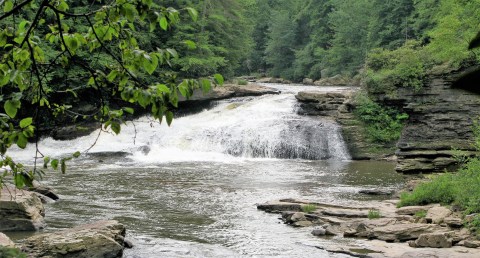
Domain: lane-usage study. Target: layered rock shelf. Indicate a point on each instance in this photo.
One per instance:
(441, 121)
(339, 106)
(389, 232)
(20, 210)
(96, 240)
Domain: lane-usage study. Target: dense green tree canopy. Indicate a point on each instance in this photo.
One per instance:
(120, 56)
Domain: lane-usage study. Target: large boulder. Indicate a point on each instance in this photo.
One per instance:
(102, 239)
(434, 240)
(437, 214)
(20, 210)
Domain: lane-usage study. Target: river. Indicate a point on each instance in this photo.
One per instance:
(190, 190)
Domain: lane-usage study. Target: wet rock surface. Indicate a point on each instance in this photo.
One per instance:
(20, 210)
(97, 240)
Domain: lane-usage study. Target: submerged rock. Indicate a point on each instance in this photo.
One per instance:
(45, 191)
(20, 210)
(97, 240)
(279, 206)
(376, 192)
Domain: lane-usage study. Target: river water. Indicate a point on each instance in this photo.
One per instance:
(190, 190)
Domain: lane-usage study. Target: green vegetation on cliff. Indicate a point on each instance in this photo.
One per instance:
(382, 124)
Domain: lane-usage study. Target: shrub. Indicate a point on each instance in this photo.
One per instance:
(309, 208)
(439, 190)
(242, 82)
(402, 67)
(383, 124)
(374, 214)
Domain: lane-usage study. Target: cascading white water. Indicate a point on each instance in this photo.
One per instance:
(255, 127)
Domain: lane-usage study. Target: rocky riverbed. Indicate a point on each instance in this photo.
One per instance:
(387, 231)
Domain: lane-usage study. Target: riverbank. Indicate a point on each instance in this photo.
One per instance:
(380, 229)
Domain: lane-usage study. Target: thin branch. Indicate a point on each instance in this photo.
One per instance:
(15, 9)
(35, 22)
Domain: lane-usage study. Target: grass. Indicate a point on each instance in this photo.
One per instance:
(309, 208)
(461, 188)
(242, 82)
(374, 214)
(421, 214)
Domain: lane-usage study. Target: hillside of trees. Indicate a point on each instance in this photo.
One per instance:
(64, 61)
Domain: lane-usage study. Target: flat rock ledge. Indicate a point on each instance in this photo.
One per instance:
(102, 239)
(20, 210)
(230, 91)
(416, 231)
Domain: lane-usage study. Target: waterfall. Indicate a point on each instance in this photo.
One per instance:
(252, 127)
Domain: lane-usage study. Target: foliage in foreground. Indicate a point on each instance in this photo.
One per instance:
(56, 54)
(383, 124)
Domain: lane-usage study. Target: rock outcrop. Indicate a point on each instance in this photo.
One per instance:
(96, 240)
(20, 210)
(6, 241)
(229, 91)
(440, 120)
(400, 233)
(339, 106)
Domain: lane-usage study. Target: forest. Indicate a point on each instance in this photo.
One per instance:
(123, 69)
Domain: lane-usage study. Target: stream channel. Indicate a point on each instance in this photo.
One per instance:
(190, 190)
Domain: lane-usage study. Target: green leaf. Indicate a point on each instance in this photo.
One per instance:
(112, 75)
(22, 141)
(190, 44)
(54, 163)
(218, 78)
(193, 13)
(128, 110)
(115, 127)
(206, 86)
(163, 23)
(26, 122)
(162, 88)
(11, 107)
(19, 180)
(46, 160)
(63, 166)
(8, 6)
(76, 154)
(169, 117)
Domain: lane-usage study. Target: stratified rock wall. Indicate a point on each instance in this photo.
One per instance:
(339, 106)
(440, 120)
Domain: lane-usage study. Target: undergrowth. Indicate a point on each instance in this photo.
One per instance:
(383, 124)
